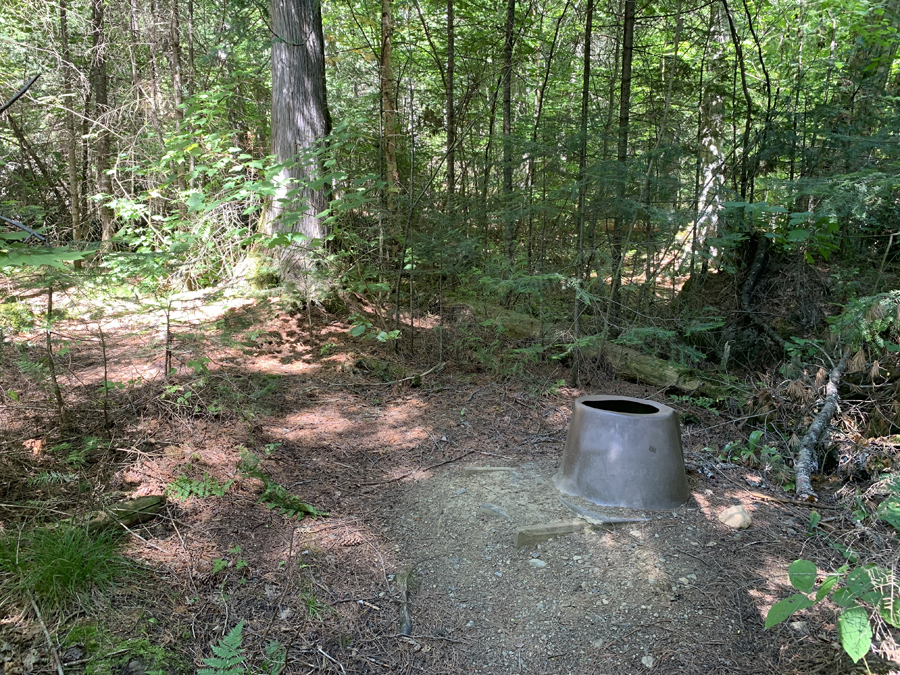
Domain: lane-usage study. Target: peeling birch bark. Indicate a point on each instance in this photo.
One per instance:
(805, 462)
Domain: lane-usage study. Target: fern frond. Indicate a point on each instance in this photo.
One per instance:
(229, 654)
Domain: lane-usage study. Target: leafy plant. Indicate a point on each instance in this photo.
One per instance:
(228, 655)
(698, 401)
(864, 589)
(274, 495)
(184, 487)
(50, 478)
(362, 327)
(59, 565)
(313, 605)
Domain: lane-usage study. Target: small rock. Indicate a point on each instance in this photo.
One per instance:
(75, 653)
(537, 562)
(470, 624)
(799, 627)
(647, 661)
(494, 509)
(736, 517)
(498, 574)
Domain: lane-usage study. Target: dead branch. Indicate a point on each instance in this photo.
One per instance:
(805, 462)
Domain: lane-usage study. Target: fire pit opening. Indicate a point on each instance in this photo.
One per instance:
(623, 406)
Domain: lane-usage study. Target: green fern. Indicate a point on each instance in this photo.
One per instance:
(229, 654)
(184, 487)
(274, 495)
(51, 478)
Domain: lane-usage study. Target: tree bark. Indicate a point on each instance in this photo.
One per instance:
(100, 90)
(451, 112)
(618, 238)
(509, 229)
(805, 462)
(582, 181)
(300, 124)
(72, 140)
(388, 104)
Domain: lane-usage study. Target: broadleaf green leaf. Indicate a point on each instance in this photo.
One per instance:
(802, 574)
(782, 609)
(855, 632)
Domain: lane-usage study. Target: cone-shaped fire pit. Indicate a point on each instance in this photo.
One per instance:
(623, 451)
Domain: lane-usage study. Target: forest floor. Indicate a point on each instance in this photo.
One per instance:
(407, 529)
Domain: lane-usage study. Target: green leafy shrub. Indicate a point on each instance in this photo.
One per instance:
(864, 590)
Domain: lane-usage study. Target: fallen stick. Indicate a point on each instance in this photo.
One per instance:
(438, 367)
(410, 473)
(805, 463)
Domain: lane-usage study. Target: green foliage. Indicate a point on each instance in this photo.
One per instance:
(220, 564)
(60, 565)
(864, 590)
(15, 252)
(889, 509)
(184, 487)
(274, 495)
(313, 605)
(756, 454)
(228, 655)
(51, 478)
(112, 656)
(698, 401)
(871, 321)
(77, 454)
(362, 327)
(15, 317)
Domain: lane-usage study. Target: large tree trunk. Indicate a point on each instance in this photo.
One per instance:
(300, 123)
(709, 180)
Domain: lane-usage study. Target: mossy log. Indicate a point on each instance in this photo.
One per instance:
(129, 514)
(632, 365)
(627, 363)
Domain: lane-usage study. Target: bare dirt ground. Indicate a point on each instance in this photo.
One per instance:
(408, 533)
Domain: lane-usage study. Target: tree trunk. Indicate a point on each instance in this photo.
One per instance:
(509, 230)
(618, 238)
(710, 176)
(451, 112)
(300, 123)
(582, 181)
(72, 144)
(100, 89)
(388, 104)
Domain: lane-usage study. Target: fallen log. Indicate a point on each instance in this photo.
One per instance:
(805, 462)
(626, 363)
(632, 365)
(129, 514)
